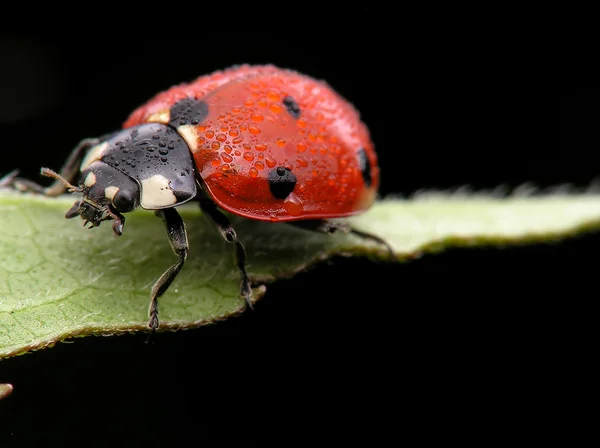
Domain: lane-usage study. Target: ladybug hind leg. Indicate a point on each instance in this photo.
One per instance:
(229, 234)
(329, 226)
(69, 172)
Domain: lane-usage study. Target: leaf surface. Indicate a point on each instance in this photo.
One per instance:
(59, 280)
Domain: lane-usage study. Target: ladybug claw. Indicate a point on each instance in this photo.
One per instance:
(247, 294)
(118, 228)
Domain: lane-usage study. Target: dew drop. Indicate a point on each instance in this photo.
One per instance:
(280, 142)
(163, 151)
(253, 172)
(257, 118)
(227, 148)
(226, 157)
(215, 145)
(254, 129)
(210, 134)
(259, 165)
(234, 133)
(249, 156)
(275, 108)
(261, 146)
(301, 147)
(221, 137)
(215, 162)
(237, 140)
(293, 204)
(270, 162)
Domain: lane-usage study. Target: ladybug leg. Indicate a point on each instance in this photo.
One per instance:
(229, 234)
(69, 171)
(179, 242)
(8, 179)
(327, 226)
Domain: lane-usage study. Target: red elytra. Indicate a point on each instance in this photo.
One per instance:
(249, 131)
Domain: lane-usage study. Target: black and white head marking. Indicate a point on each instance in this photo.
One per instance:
(156, 157)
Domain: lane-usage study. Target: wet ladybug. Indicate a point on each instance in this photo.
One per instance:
(260, 142)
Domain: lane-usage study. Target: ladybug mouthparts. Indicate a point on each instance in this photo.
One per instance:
(94, 214)
(90, 211)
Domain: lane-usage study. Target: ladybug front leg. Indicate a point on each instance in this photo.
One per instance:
(229, 234)
(179, 242)
(69, 172)
(327, 226)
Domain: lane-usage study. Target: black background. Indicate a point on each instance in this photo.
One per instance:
(353, 348)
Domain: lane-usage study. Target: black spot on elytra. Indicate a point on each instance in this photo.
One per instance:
(292, 106)
(365, 166)
(281, 182)
(188, 111)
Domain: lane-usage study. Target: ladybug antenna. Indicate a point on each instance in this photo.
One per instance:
(49, 173)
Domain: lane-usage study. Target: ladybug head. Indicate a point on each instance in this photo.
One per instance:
(106, 194)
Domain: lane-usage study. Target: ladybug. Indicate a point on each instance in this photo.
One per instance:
(261, 142)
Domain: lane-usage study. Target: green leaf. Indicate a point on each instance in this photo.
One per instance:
(59, 280)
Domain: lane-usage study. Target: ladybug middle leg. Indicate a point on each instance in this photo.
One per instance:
(328, 226)
(229, 234)
(69, 172)
(179, 243)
